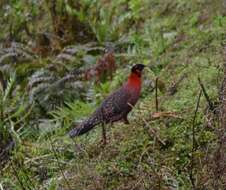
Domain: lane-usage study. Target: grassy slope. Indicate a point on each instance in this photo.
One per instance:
(183, 38)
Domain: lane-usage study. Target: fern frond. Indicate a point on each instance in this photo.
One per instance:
(71, 111)
(17, 52)
(76, 85)
(7, 56)
(64, 57)
(36, 81)
(61, 82)
(9, 88)
(37, 90)
(40, 73)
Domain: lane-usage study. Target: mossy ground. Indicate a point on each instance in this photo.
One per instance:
(174, 38)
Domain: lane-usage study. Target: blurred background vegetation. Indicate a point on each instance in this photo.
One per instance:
(49, 50)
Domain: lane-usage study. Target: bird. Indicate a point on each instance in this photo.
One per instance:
(115, 107)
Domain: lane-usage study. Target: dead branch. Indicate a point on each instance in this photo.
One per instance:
(193, 141)
(151, 132)
(156, 94)
(210, 103)
(165, 114)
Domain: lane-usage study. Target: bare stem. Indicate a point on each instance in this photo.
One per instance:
(193, 140)
(206, 95)
(156, 94)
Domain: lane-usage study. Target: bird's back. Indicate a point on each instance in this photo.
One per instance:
(114, 108)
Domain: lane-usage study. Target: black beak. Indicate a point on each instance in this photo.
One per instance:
(144, 66)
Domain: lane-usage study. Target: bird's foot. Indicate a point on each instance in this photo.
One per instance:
(103, 142)
(126, 121)
(104, 136)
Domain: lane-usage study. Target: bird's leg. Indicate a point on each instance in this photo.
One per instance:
(125, 119)
(104, 138)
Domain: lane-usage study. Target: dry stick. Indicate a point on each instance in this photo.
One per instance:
(154, 133)
(206, 95)
(145, 127)
(58, 162)
(156, 94)
(193, 140)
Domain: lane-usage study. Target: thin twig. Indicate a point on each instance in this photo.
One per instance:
(134, 186)
(151, 130)
(193, 139)
(206, 95)
(58, 162)
(156, 94)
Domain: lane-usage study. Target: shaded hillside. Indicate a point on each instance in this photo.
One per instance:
(49, 56)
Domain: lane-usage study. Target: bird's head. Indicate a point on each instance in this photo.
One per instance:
(137, 69)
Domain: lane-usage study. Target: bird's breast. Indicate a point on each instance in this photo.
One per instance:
(134, 95)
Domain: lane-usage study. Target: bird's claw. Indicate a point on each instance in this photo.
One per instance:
(103, 142)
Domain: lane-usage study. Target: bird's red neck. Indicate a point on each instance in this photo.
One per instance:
(134, 80)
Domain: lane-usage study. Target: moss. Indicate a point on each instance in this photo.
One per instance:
(173, 38)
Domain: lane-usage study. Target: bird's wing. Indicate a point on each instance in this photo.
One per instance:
(116, 105)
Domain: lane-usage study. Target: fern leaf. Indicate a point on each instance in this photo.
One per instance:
(9, 88)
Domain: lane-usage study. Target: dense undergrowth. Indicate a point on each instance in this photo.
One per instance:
(45, 48)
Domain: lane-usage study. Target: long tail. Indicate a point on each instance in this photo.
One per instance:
(85, 126)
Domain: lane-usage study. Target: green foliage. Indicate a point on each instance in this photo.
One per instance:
(47, 95)
(75, 111)
(14, 106)
(15, 111)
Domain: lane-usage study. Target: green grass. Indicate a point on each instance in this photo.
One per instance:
(173, 40)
